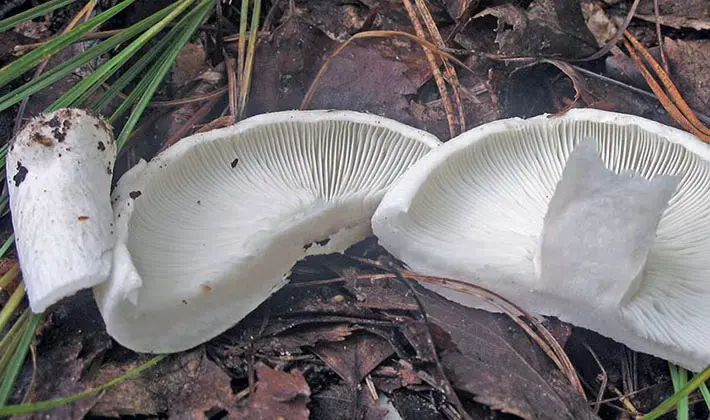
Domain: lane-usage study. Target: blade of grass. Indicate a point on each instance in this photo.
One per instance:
(673, 400)
(43, 405)
(32, 13)
(137, 68)
(164, 65)
(67, 67)
(9, 309)
(8, 243)
(249, 62)
(85, 14)
(18, 358)
(9, 276)
(705, 393)
(154, 70)
(14, 331)
(683, 405)
(18, 67)
(89, 84)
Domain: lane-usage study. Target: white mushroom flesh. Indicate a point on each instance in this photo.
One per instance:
(208, 229)
(474, 209)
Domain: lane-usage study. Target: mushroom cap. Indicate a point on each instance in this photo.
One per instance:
(211, 227)
(474, 209)
(59, 181)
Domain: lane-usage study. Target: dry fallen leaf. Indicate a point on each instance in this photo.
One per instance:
(690, 14)
(497, 363)
(285, 63)
(551, 28)
(340, 402)
(689, 70)
(363, 78)
(356, 356)
(277, 395)
(185, 384)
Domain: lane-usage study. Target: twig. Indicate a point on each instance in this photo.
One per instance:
(434, 66)
(677, 107)
(232, 89)
(189, 125)
(448, 68)
(604, 379)
(446, 385)
(659, 35)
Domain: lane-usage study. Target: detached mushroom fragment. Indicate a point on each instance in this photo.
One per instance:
(210, 228)
(59, 178)
(616, 243)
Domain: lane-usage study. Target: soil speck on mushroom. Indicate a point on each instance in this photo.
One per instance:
(101, 146)
(42, 139)
(234, 163)
(83, 218)
(20, 175)
(134, 194)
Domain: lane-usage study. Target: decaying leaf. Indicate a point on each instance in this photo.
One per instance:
(690, 14)
(689, 70)
(346, 402)
(73, 339)
(363, 78)
(356, 356)
(500, 366)
(185, 384)
(551, 28)
(277, 395)
(285, 64)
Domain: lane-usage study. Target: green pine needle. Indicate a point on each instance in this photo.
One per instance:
(34, 12)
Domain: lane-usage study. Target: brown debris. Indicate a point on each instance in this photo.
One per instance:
(497, 363)
(355, 356)
(550, 28)
(688, 14)
(285, 65)
(187, 383)
(277, 395)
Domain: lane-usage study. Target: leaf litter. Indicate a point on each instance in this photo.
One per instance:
(337, 338)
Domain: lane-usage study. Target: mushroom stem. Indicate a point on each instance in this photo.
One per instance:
(59, 172)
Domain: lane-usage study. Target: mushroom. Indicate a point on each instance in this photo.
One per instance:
(616, 243)
(209, 228)
(59, 181)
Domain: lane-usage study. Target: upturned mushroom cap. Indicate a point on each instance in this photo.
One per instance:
(59, 177)
(624, 255)
(210, 228)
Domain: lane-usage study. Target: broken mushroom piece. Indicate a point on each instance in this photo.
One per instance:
(614, 238)
(211, 227)
(59, 181)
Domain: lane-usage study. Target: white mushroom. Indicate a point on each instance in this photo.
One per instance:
(493, 207)
(59, 178)
(210, 228)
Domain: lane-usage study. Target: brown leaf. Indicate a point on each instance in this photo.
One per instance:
(285, 64)
(689, 70)
(186, 384)
(691, 14)
(551, 28)
(73, 338)
(338, 20)
(499, 364)
(346, 402)
(276, 395)
(356, 356)
(189, 63)
(363, 78)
